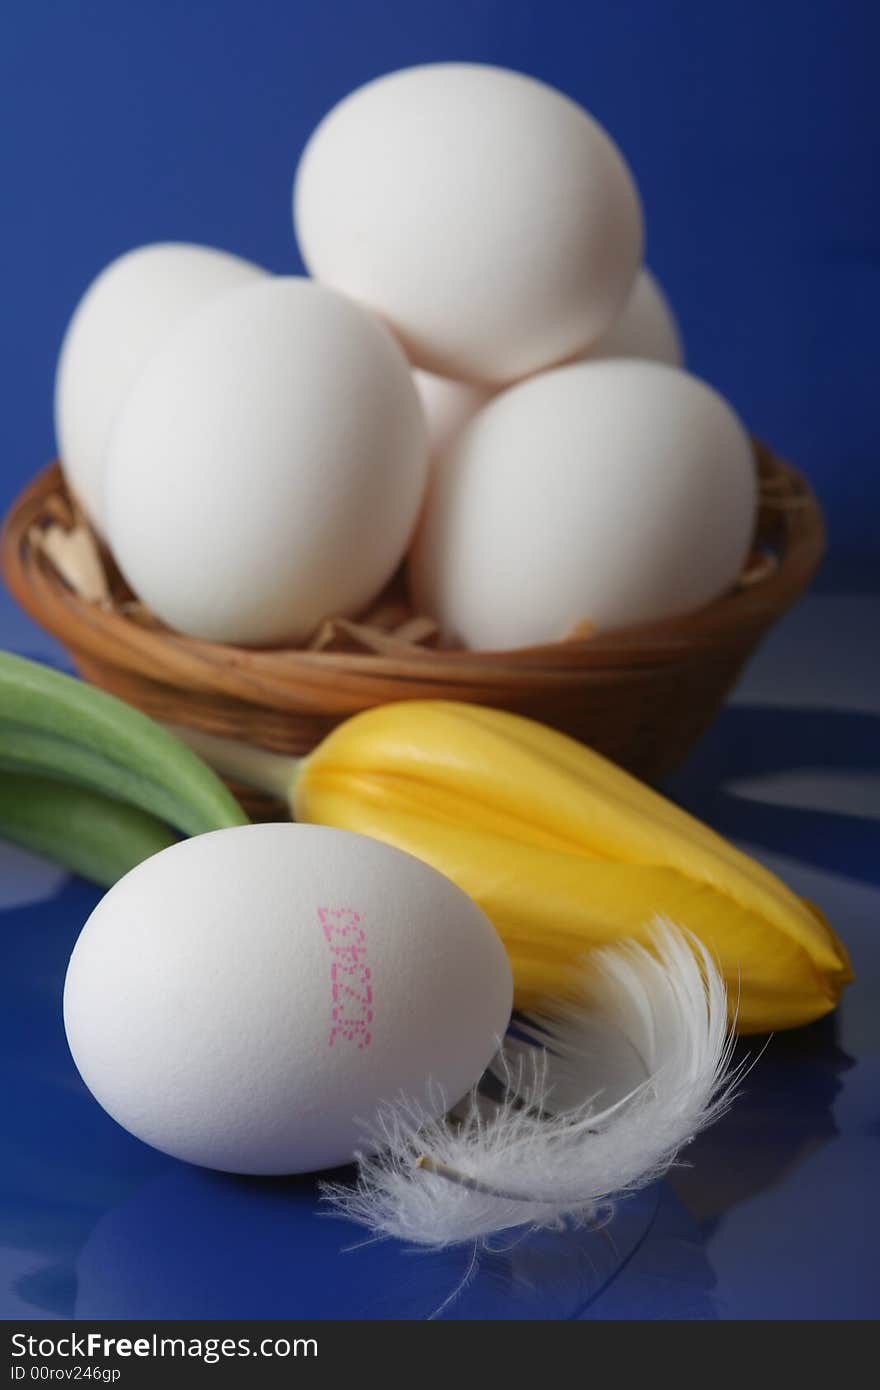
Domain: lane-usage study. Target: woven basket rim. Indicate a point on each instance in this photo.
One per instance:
(790, 525)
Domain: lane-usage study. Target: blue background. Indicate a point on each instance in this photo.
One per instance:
(752, 129)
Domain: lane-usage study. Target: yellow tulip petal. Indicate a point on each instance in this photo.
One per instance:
(564, 851)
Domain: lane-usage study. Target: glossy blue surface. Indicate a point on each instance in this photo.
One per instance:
(775, 1216)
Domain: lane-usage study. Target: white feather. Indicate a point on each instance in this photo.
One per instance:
(598, 1095)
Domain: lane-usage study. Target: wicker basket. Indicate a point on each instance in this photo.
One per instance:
(643, 697)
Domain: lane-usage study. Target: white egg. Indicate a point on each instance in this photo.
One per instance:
(486, 216)
(123, 317)
(617, 492)
(646, 328)
(268, 466)
(243, 999)
(448, 405)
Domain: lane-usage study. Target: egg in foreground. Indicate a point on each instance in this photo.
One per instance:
(243, 999)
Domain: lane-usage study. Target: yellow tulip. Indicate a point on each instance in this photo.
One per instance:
(563, 851)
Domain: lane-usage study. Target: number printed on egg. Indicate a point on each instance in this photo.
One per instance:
(351, 979)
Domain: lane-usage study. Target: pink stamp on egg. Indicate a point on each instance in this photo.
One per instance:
(351, 979)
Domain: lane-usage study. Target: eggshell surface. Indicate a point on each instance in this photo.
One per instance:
(448, 406)
(646, 328)
(488, 218)
(243, 998)
(268, 467)
(616, 492)
(124, 316)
